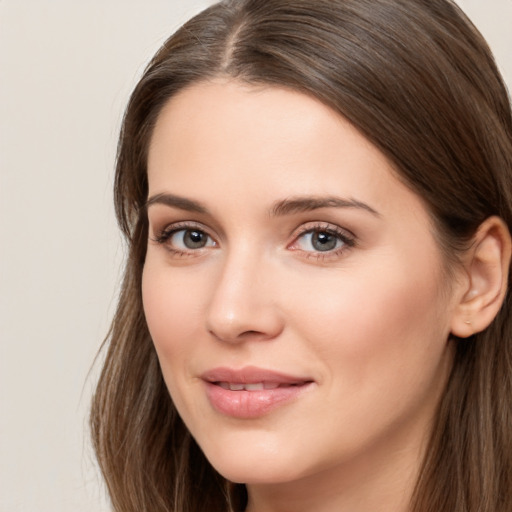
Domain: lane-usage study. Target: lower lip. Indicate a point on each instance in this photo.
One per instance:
(251, 404)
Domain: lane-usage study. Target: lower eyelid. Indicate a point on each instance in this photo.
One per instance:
(325, 256)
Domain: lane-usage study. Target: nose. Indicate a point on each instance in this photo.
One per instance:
(243, 304)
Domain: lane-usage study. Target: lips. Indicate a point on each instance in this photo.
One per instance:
(251, 392)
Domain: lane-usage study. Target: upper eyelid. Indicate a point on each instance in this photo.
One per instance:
(308, 227)
(182, 225)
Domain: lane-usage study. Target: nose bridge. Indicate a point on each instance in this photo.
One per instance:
(242, 304)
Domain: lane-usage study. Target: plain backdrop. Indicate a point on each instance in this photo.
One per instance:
(66, 70)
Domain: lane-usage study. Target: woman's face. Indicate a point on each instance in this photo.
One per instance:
(293, 288)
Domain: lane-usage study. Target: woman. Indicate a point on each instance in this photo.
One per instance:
(315, 314)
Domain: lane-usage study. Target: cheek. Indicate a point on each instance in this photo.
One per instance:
(376, 323)
(381, 346)
(172, 301)
(171, 307)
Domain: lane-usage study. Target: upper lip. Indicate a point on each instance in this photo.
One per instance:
(251, 375)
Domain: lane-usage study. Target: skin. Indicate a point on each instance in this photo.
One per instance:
(368, 322)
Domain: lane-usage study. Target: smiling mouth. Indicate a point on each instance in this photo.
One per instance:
(250, 392)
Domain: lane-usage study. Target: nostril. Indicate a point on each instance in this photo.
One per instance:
(251, 333)
(239, 337)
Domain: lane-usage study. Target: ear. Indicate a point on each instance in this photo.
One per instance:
(487, 265)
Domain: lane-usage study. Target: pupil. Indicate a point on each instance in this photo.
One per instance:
(194, 239)
(323, 241)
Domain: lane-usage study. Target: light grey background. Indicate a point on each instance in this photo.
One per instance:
(66, 70)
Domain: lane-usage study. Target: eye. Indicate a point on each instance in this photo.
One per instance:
(322, 240)
(190, 239)
(184, 239)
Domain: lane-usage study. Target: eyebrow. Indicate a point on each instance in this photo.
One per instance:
(280, 208)
(308, 203)
(182, 203)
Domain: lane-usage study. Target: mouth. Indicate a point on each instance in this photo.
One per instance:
(251, 392)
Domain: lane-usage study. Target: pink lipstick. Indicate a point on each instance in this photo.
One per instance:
(251, 392)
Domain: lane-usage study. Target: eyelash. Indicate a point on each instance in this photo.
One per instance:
(347, 239)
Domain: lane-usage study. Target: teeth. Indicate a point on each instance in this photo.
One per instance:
(256, 386)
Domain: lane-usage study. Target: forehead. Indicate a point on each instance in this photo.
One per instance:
(228, 140)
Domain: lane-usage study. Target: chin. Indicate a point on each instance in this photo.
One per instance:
(256, 465)
(251, 474)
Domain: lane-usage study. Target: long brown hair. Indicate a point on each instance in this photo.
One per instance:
(418, 80)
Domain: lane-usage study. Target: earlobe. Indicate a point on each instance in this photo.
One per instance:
(487, 265)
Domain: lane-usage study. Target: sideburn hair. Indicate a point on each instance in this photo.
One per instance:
(416, 79)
